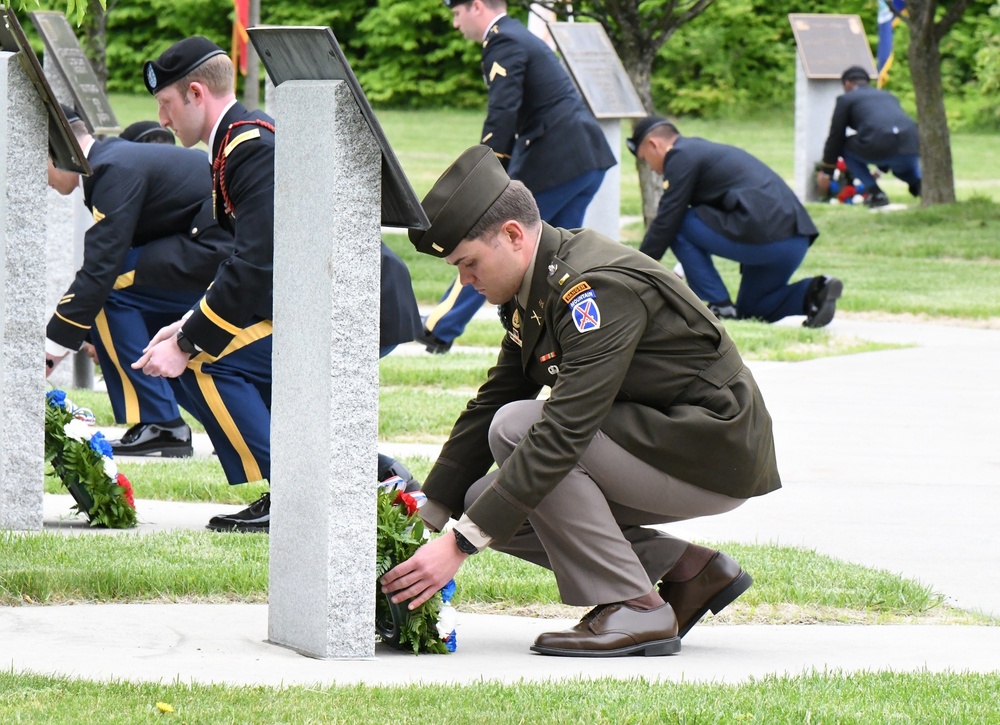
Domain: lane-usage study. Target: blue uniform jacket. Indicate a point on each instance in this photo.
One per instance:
(733, 192)
(152, 196)
(536, 122)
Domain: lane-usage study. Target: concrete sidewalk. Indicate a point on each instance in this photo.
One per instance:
(889, 459)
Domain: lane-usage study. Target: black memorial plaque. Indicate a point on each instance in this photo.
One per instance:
(64, 149)
(313, 54)
(829, 44)
(597, 70)
(64, 48)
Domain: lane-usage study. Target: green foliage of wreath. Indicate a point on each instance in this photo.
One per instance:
(81, 470)
(400, 534)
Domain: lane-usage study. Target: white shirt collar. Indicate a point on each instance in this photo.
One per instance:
(492, 23)
(218, 122)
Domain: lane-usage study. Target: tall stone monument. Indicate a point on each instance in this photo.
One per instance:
(23, 143)
(605, 86)
(74, 83)
(827, 46)
(336, 183)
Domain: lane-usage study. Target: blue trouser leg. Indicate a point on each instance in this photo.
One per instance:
(905, 168)
(459, 305)
(766, 268)
(232, 396)
(565, 205)
(857, 167)
(130, 318)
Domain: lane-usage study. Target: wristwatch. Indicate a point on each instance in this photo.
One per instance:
(464, 545)
(185, 344)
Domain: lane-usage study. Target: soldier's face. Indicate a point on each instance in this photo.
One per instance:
(492, 266)
(465, 19)
(649, 152)
(181, 115)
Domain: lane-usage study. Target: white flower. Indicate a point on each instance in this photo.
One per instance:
(78, 430)
(110, 469)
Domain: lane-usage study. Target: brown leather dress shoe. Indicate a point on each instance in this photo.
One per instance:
(715, 587)
(611, 630)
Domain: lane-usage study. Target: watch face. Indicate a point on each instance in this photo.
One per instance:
(185, 344)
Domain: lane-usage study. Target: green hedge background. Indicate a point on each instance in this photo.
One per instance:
(737, 58)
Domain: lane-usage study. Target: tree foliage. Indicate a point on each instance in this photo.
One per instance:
(736, 57)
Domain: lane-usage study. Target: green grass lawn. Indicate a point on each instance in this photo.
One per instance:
(818, 698)
(940, 262)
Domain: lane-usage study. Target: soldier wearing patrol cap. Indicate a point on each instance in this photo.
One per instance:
(652, 418)
(222, 349)
(539, 128)
(720, 201)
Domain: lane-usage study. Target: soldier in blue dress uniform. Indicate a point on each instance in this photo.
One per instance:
(539, 128)
(151, 252)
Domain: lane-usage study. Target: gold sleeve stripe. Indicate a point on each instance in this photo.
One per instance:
(70, 322)
(216, 320)
(125, 280)
(240, 139)
(257, 331)
(487, 137)
(66, 298)
(497, 70)
(98, 215)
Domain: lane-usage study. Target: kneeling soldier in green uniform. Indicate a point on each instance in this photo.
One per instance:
(652, 418)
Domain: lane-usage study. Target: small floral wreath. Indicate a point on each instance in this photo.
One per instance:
(400, 534)
(84, 461)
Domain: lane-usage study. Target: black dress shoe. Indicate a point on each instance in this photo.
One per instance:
(255, 517)
(432, 343)
(613, 630)
(147, 439)
(821, 301)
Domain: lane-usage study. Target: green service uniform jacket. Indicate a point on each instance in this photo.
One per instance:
(628, 349)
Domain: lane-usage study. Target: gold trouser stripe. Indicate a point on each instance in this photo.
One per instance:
(444, 306)
(131, 399)
(216, 320)
(70, 322)
(209, 391)
(125, 280)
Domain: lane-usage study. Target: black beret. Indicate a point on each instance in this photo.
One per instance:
(147, 132)
(642, 128)
(453, 3)
(177, 61)
(855, 73)
(70, 112)
(458, 199)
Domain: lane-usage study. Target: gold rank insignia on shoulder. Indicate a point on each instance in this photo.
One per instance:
(666, 184)
(575, 291)
(497, 70)
(98, 215)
